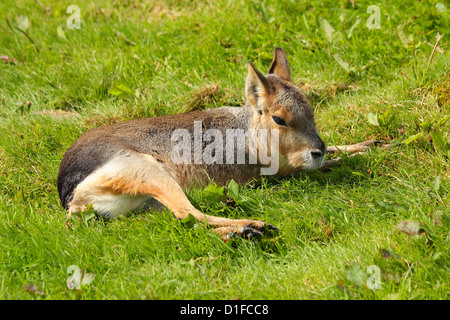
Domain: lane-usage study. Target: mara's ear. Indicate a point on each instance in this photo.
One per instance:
(280, 65)
(257, 88)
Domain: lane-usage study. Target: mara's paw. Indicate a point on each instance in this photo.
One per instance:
(244, 232)
(227, 233)
(262, 226)
(253, 230)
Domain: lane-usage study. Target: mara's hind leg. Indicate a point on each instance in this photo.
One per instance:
(140, 175)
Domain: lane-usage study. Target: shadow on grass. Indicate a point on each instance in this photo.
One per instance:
(350, 171)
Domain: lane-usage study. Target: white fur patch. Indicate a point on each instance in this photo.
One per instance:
(108, 204)
(113, 206)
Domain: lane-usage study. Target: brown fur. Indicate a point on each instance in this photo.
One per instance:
(125, 166)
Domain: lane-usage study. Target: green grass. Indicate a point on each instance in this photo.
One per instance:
(178, 55)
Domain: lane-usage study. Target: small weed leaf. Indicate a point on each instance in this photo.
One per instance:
(443, 121)
(233, 190)
(426, 125)
(433, 129)
(214, 193)
(385, 117)
(372, 118)
(330, 33)
(345, 65)
(414, 137)
(60, 32)
(23, 22)
(436, 184)
(327, 29)
(440, 142)
(120, 89)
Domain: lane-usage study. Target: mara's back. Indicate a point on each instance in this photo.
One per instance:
(155, 137)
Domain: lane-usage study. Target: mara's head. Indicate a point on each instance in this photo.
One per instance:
(276, 103)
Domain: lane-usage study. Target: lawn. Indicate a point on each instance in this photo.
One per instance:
(375, 227)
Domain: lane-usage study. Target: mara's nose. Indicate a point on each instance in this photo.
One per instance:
(316, 153)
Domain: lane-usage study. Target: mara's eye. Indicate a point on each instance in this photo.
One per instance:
(279, 121)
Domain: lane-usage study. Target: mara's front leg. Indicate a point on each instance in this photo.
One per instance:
(140, 175)
(352, 149)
